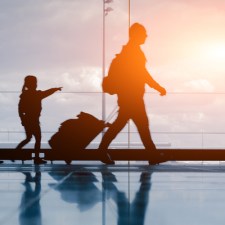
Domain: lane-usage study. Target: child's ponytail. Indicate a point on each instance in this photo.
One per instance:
(24, 88)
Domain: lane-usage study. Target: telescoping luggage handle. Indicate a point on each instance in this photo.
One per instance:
(112, 114)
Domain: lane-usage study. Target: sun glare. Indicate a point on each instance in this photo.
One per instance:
(214, 52)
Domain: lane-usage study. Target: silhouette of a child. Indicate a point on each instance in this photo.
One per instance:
(30, 110)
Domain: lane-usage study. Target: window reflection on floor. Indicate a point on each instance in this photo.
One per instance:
(173, 193)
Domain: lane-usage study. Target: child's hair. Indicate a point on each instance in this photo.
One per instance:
(29, 81)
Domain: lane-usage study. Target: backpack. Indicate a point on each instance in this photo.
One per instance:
(112, 83)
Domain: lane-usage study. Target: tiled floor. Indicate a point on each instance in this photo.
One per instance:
(94, 194)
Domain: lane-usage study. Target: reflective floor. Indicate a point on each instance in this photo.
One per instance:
(134, 194)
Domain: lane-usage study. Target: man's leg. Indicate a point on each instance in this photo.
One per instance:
(140, 119)
(111, 133)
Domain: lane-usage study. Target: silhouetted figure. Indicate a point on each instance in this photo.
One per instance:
(141, 200)
(128, 79)
(134, 212)
(30, 111)
(30, 209)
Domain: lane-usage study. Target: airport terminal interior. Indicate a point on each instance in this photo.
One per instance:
(67, 46)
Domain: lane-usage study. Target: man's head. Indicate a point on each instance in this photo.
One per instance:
(137, 33)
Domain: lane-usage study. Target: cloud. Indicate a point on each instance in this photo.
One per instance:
(200, 85)
(83, 79)
(48, 34)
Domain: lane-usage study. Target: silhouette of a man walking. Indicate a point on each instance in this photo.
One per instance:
(133, 76)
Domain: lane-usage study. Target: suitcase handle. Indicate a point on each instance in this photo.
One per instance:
(112, 114)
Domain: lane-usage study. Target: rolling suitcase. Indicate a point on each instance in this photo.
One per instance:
(74, 135)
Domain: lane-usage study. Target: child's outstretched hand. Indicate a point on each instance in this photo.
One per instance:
(59, 88)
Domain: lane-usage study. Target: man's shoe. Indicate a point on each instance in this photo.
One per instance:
(28, 178)
(157, 158)
(153, 162)
(107, 160)
(39, 161)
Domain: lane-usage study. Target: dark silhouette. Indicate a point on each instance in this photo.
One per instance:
(74, 135)
(30, 209)
(30, 111)
(127, 78)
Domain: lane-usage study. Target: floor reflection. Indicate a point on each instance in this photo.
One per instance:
(118, 195)
(78, 188)
(129, 213)
(81, 189)
(30, 210)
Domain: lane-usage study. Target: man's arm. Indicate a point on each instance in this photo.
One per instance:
(153, 84)
(50, 91)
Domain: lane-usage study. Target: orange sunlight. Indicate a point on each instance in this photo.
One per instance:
(214, 52)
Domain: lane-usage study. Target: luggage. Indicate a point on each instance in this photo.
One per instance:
(74, 135)
(116, 78)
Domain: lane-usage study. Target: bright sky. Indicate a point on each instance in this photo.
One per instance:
(60, 41)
